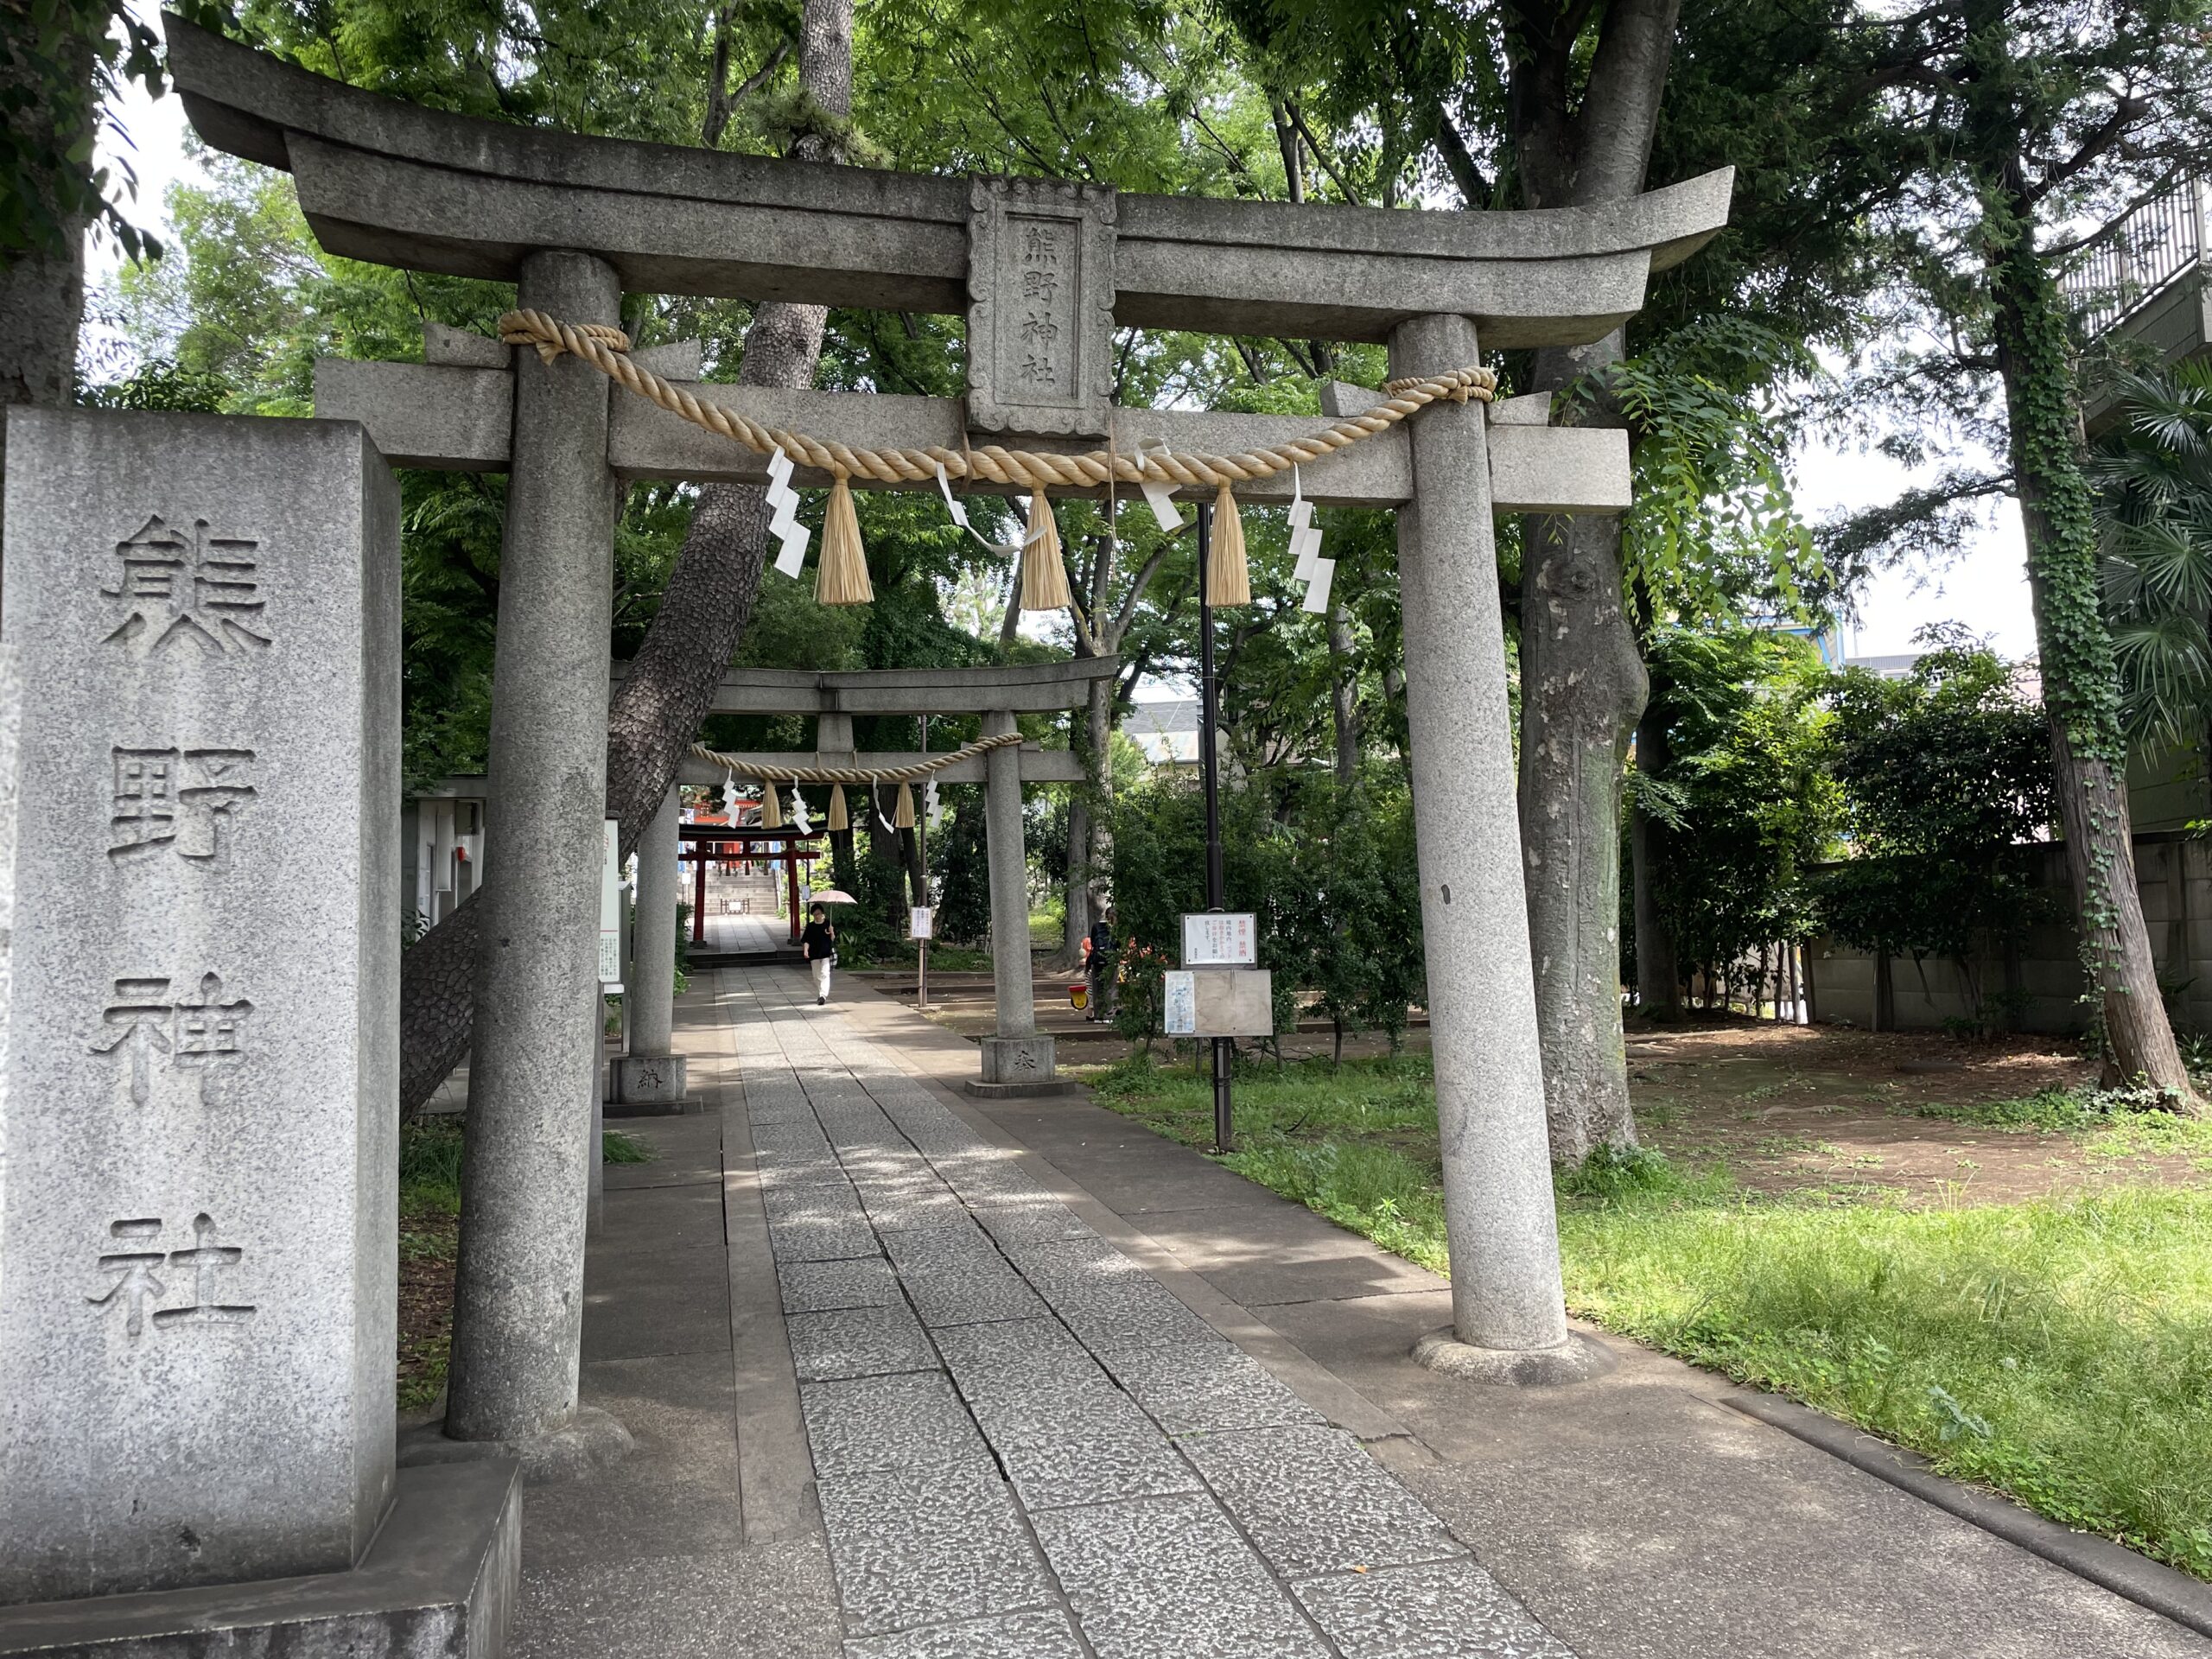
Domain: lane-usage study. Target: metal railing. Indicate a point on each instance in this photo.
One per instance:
(2159, 241)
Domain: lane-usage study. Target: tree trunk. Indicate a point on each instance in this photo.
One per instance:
(1582, 682)
(1582, 688)
(1090, 847)
(1658, 973)
(42, 296)
(1344, 696)
(1076, 890)
(2081, 682)
(918, 879)
(670, 685)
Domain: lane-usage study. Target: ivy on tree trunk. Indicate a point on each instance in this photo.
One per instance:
(2081, 683)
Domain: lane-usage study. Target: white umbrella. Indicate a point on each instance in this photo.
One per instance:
(832, 896)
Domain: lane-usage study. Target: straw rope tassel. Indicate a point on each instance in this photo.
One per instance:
(1044, 578)
(772, 814)
(840, 577)
(902, 815)
(837, 819)
(1229, 578)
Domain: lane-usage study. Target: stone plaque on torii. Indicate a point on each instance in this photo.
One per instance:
(574, 221)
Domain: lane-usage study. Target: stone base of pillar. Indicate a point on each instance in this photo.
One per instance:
(1575, 1360)
(441, 1577)
(1014, 1066)
(590, 1439)
(982, 1091)
(652, 1085)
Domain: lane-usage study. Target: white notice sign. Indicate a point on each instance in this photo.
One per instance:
(919, 922)
(1215, 938)
(610, 906)
(1178, 1012)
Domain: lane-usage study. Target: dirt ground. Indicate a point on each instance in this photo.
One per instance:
(1815, 1108)
(429, 1244)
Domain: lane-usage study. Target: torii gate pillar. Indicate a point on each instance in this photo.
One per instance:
(1018, 1059)
(518, 1290)
(1507, 1311)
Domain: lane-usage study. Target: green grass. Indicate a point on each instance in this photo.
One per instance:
(944, 959)
(2059, 1350)
(430, 1157)
(429, 1167)
(2108, 1122)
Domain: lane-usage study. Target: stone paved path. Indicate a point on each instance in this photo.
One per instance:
(746, 934)
(1026, 1446)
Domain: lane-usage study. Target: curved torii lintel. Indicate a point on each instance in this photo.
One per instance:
(393, 183)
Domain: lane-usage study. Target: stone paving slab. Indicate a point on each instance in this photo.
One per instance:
(1131, 1314)
(858, 1342)
(955, 1276)
(1061, 1474)
(823, 1287)
(1013, 1635)
(921, 1548)
(1019, 1221)
(978, 1354)
(1166, 1578)
(889, 1423)
(1312, 1501)
(917, 1203)
(1444, 1610)
(1079, 1403)
(817, 1223)
(1192, 1390)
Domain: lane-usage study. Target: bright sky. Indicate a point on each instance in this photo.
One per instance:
(1986, 589)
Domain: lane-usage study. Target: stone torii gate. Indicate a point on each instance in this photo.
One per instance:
(574, 221)
(1018, 1059)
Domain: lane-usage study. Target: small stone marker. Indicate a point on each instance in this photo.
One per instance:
(199, 1105)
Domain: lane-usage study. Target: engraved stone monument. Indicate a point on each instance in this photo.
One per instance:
(198, 1105)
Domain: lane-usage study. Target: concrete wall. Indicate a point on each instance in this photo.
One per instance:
(2167, 790)
(2174, 873)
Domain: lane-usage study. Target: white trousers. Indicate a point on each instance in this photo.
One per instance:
(821, 976)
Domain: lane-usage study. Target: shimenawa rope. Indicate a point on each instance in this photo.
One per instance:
(856, 774)
(605, 349)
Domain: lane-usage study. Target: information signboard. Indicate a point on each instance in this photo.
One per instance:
(1180, 1006)
(1215, 938)
(610, 906)
(920, 922)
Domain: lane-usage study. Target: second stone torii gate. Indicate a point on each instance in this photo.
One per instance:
(1018, 1058)
(575, 220)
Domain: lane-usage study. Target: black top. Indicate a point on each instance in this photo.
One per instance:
(819, 940)
(1101, 939)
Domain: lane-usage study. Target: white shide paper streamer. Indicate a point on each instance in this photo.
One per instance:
(784, 525)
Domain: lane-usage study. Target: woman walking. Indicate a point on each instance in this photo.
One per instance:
(818, 944)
